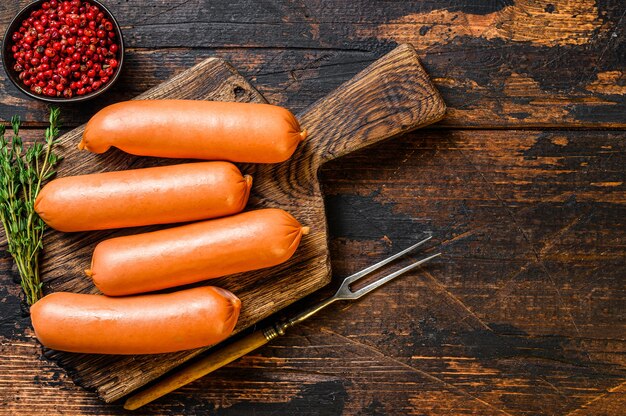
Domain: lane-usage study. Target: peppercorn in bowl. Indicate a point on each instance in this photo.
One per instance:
(63, 51)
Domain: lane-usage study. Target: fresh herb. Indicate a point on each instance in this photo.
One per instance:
(22, 173)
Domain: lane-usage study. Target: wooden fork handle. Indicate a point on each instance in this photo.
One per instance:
(198, 369)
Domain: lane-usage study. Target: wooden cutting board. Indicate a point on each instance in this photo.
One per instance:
(390, 97)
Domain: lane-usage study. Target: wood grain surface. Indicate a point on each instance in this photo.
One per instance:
(523, 184)
(497, 63)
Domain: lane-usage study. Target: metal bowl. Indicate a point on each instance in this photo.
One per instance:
(8, 61)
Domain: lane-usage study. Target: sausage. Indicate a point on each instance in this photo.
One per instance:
(210, 130)
(190, 253)
(146, 324)
(159, 195)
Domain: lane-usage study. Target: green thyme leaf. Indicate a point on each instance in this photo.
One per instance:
(22, 173)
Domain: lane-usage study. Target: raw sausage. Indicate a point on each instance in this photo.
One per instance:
(190, 253)
(210, 130)
(146, 324)
(159, 195)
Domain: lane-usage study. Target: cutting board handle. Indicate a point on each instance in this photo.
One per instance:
(390, 97)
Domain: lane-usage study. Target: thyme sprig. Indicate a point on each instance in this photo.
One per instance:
(22, 173)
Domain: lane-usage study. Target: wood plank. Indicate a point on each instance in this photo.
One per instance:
(531, 225)
(522, 314)
(500, 64)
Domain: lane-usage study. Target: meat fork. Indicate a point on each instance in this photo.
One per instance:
(257, 339)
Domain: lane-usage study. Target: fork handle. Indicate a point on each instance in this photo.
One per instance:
(219, 358)
(200, 368)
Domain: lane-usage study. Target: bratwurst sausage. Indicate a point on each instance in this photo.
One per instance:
(159, 195)
(210, 130)
(147, 324)
(190, 253)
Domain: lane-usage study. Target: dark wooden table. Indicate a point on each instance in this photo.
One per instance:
(523, 184)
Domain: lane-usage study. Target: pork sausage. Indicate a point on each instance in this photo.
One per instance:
(159, 195)
(146, 324)
(190, 253)
(210, 130)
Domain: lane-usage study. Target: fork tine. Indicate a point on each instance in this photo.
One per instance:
(357, 294)
(381, 263)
